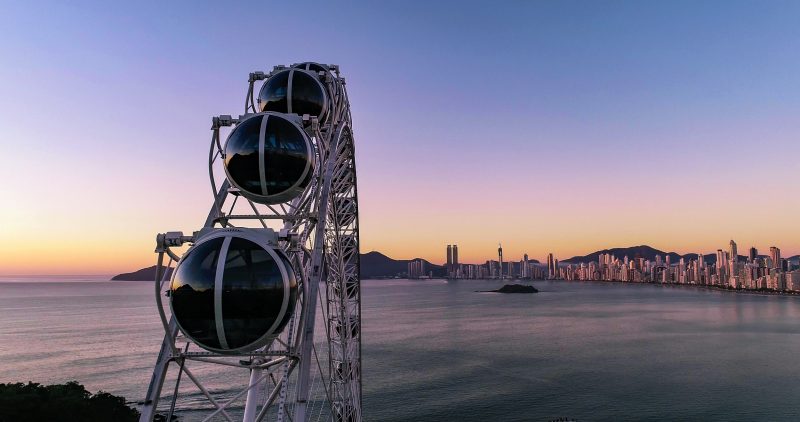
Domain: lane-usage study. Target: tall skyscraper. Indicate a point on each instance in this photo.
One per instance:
(449, 267)
(698, 268)
(524, 271)
(500, 254)
(455, 256)
(775, 254)
(733, 255)
(550, 266)
(753, 254)
(449, 257)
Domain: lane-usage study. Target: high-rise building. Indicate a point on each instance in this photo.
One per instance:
(449, 257)
(492, 266)
(524, 271)
(455, 256)
(416, 269)
(500, 254)
(753, 254)
(733, 256)
(550, 267)
(698, 268)
(775, 254)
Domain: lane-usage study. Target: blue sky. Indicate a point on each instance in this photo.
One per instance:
(553, 126)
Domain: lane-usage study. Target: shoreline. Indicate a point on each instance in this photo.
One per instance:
(696, 286)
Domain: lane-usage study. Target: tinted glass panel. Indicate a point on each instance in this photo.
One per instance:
(272, 96)
(286, 156)
(241, 155)
(314, 67)
(252, 293)
(292, 293)
(193, 293)
(308, 96)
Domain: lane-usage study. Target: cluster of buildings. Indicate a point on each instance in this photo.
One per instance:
(725, 269)
(498, 269)
(418, 269)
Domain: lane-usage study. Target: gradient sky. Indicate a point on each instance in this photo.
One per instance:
(550, 126)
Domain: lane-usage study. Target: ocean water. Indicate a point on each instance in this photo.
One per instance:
(439, 351)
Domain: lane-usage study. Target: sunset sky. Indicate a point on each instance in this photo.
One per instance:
(559, 126)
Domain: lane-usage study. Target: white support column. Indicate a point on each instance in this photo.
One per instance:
(251, 405)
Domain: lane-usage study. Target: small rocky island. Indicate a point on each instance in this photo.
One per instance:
(512, 288)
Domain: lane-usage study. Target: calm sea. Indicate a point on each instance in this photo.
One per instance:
(438, 351)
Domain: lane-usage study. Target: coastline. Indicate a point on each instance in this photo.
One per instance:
(696, 286)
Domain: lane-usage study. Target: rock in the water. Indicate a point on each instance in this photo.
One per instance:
(515, 288)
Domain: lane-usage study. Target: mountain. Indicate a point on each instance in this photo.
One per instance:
(646, 252)
(145, 274)
(373, 265)
(642, 251)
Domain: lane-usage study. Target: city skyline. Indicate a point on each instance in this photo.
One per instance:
(772, 272)
(452, 258)
(607, 123)
(729, 270)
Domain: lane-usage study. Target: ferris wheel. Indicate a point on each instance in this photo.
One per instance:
(267, 294)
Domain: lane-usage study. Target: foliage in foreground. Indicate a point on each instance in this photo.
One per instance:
(35, 402)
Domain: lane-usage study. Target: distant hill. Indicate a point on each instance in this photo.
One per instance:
(373, 265)
(642, 251)
(376, 264)
(646, 252)
(145, 274)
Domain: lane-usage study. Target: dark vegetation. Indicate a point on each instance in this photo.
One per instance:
(61, 402)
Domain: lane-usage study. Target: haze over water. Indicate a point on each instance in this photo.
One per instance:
(436, 350)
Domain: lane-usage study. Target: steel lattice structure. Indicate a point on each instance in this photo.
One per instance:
(312, 370)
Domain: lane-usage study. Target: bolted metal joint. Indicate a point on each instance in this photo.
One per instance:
(171, 239)
(277, 69)
(222, 120)
(292, 238)
(257, 76)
